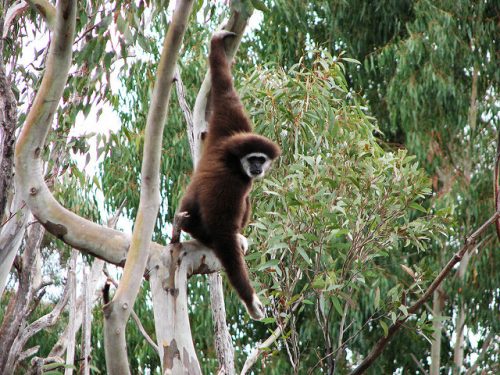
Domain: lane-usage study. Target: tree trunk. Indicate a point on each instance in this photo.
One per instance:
(70, 332)
(458, 350)
(223, 344)
(8, 121)
(437, 325)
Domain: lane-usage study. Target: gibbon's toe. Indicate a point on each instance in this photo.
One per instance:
(222, 34)
(256, 309)
(243, 243)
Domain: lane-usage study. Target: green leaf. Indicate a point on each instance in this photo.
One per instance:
(403, 309)
(269, 264)
(418, 207)
(269, 320)
(260, 5)
(336, 304)
(348, 59)
(384, 327)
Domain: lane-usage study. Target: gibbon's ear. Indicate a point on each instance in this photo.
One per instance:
(242, 144)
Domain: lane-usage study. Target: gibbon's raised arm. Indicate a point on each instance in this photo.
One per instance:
(228, 115)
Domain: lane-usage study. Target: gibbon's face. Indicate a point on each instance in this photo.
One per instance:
(255, 164)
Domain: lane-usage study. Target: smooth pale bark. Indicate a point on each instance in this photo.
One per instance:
(72, 323)
(168, 279)
(458, 350)
(437, 325)
(82, 234)
(11, 237)
(117, 312)
(87, 323)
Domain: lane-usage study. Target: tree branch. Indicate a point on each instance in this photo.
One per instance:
(45, 321)
(381, 344)
(117, 312)
(135, 317)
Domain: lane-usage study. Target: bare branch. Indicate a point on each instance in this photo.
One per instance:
(45, 321)
(15, 10)
(419, 365)
(73, 323)
(222, 340)
(188, 115)
(252, 358)
(381, 344)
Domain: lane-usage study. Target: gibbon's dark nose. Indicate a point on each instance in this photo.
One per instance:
(255, 171)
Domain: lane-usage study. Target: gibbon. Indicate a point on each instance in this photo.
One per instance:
(216, 200)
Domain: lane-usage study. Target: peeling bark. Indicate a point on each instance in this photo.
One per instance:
(8, 121)
(170, 303)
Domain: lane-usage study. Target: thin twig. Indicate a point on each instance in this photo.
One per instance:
(186, 110)
(417, 362)
(252, 357)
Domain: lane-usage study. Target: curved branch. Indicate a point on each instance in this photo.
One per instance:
(118, 311)
(105, 243)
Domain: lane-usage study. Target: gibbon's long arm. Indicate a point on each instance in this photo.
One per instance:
(229, 252)
(228, 115)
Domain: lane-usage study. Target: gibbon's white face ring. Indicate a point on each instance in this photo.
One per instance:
(255, 169)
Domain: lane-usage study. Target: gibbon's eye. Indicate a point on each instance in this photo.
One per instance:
(256, 160)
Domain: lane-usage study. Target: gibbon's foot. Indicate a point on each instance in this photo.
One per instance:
(243, 243)
(222, 34)
(256, 309)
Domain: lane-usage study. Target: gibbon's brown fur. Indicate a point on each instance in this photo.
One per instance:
(217, 198)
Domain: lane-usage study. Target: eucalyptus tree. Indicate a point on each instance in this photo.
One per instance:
(343, 232)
